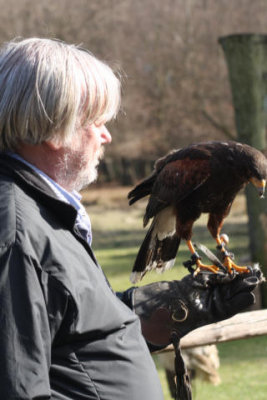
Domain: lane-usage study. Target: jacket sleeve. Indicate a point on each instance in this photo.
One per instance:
(127, 298)
(25, 336)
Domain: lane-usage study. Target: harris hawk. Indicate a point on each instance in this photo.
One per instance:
(201, 178)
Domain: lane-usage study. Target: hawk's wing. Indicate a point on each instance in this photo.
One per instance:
(177, 180)
(174, 182)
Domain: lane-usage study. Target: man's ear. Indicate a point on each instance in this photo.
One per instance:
(53, 144)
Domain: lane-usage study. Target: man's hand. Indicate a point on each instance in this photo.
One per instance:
(182, 306)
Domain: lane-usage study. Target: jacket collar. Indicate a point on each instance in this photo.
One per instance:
(36, 187)
(29, 180)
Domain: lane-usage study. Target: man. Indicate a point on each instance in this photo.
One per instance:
(64, 334)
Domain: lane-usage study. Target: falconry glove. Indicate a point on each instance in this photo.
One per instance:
(182, 306)
(168, 310)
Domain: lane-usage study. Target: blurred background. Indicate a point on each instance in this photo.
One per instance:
(176, 91)
(175, 81)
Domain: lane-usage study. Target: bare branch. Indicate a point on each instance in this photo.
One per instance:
(218, 125)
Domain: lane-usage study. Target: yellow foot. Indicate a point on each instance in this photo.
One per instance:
(211, 268)
(231, 266)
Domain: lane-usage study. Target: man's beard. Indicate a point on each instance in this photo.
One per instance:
(74, 172)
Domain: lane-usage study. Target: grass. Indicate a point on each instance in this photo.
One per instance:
(117, 235)
(243, 372)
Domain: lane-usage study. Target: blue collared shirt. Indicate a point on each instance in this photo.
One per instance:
(83, 222)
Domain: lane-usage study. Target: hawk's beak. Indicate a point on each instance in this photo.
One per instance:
(260, 186)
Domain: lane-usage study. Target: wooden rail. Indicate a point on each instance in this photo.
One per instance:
(241, 326)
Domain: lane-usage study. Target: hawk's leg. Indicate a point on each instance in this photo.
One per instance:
(199, 264)
(228, 262)
(215, 224)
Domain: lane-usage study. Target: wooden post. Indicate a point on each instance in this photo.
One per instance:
(246, 56)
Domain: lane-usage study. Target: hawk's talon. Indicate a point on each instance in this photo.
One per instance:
(211, 268)
(195, 259)
(233, 268)
(196, 272)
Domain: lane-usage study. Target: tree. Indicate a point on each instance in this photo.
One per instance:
(246, 57)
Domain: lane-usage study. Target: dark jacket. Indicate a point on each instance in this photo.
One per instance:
(64, 334)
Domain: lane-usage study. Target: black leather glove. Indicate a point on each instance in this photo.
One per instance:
(182, 306)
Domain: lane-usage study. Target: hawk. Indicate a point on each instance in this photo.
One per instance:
(201, 178)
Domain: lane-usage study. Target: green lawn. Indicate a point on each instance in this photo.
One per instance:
(117, 235)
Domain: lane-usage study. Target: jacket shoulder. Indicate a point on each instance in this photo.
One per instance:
(7, 212)
(18, 212)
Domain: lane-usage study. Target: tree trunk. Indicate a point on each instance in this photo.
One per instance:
(246, 57)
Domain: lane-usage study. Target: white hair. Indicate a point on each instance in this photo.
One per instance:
(48, 88)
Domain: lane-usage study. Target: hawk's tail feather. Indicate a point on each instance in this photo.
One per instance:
(141, 190)
(155, 254)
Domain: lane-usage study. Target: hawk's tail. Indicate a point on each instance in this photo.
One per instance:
(158, 251)
(142, 189)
